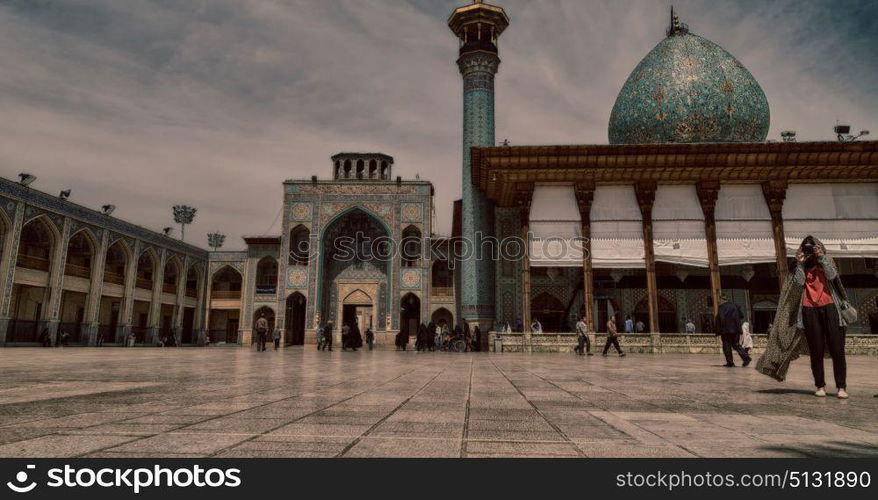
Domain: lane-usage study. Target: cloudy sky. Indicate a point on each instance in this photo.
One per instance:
(149, 103)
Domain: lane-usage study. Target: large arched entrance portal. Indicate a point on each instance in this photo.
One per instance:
(355, 257)
(295, 319)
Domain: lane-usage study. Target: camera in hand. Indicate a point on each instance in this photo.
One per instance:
(808, 249)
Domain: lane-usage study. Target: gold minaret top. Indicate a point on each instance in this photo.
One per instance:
(478, 21)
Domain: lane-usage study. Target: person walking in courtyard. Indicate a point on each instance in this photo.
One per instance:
(276, 336)
(746, 338)
(45, 339)
(584, 345)
(477, 339)
(690, 326)
(345, 337)
(812, 315)
(370, 337)
(327, 336)
(261, 332)
(613, 338)
(728, 327)
(437, 338)
(629, 325)
(356, 337)
(402, 340)
(639, 327)
(536, 326)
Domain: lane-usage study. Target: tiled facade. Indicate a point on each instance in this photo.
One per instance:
(44, 293)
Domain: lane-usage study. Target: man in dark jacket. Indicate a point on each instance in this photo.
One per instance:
(728, 327)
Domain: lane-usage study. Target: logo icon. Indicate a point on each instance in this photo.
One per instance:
(21, 478)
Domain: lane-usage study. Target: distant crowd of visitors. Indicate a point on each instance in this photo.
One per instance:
(429, 337)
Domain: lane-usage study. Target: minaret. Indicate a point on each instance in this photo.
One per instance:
(478, 26)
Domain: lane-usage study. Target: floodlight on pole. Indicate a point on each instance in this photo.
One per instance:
(167, 230)
(215, 240)
(788, 136)
(64, 194)
(108, 209)
(843, 132)
(26, 179)
(184, 214)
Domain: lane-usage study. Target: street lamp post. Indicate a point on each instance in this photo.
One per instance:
(215, 240)
(184, 214)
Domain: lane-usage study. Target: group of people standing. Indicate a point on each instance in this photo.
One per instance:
(351, 337)
(437, 337)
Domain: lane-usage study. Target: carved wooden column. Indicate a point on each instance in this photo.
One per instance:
(645, 192)
(524, 199)
(584, 199)
(708, 192)
(775, 193)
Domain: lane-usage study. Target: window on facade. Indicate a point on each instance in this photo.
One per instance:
(299, 246)
(266, 276)
(145, 270)
(79, 256)
(35, 247)
(411, 246)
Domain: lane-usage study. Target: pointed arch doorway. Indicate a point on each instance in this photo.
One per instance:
(358, 305)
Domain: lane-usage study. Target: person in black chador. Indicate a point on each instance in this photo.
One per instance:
(431, 336)
(477, 339)
(728, 327)
(402, 340)
(356, 339)
(327, 336)
(422, 338)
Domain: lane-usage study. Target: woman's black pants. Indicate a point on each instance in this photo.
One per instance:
(822, 331)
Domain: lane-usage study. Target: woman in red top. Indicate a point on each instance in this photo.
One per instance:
(819, 314)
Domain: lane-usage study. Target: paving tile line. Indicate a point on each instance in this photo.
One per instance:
(579, 450)
(602, 416)
(144, 414)
(314, 412)
(141, 438)
(469, 395)
(383, 419)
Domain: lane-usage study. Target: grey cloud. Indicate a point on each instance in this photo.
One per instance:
(214, 102)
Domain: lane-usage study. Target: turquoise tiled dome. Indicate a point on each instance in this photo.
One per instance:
(689, 89)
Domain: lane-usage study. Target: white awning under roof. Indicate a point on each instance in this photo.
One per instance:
(743, 225)
(678, 226)
(843, 216)
(556, 227)
(616, 228)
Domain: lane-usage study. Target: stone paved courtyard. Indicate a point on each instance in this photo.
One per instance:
(225, 402)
